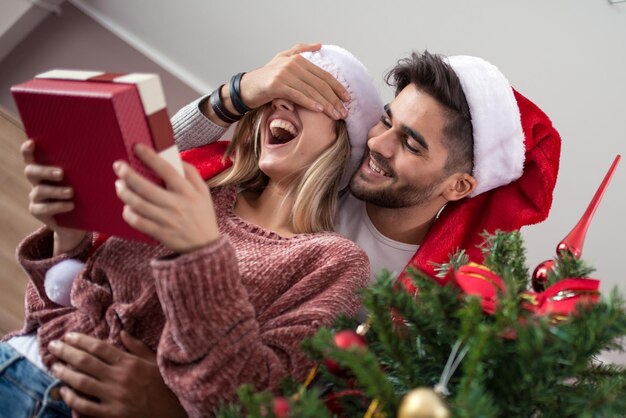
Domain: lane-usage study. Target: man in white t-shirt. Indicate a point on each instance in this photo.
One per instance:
(457, 152)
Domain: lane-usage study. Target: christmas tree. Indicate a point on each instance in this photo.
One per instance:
(474, 343)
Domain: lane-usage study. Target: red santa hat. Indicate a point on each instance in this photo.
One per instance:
(516, 161)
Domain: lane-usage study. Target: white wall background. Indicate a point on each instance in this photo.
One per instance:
(568, 56)
(73, 40)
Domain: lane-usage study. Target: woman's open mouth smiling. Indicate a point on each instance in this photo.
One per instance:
(281, 132)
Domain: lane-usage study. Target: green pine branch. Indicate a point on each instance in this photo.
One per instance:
(566, 266)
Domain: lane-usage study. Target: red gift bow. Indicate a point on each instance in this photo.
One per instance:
(559, 300)
(477, 280)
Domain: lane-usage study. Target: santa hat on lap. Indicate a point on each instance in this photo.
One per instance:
(516, 161)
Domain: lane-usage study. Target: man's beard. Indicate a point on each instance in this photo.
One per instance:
(390, 197)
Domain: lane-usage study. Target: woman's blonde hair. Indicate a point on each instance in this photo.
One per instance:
(316, 192)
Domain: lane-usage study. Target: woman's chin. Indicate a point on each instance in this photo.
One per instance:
(279, 173)
(273, 169)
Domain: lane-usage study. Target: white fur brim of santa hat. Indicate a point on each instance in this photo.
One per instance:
(364, 109)
(496, 122)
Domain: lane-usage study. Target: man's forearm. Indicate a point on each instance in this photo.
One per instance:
(192, 128)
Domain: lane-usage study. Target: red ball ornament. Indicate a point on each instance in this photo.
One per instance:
(539, 278)
(281, 407)
(345, 340)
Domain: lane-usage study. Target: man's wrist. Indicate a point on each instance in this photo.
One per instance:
(208, 110)
(227, 101)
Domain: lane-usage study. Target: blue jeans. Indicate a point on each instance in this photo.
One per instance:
(26, 391)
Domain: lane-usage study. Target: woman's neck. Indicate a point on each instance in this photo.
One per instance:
(270, 209)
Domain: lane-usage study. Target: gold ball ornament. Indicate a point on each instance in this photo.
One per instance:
(423, 403)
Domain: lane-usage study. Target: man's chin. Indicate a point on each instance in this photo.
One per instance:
(360, 187)
(379, 196)
(389, 197)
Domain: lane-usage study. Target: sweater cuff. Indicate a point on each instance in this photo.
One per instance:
(35, 252)
(192, 129)
(202, 295)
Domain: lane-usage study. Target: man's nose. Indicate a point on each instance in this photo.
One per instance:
(382, 141)
(283, 104)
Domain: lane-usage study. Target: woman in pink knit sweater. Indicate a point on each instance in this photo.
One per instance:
(243, 274)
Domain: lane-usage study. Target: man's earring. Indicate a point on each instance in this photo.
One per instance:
(439, 211)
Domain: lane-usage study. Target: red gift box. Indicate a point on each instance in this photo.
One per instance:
(83, 121)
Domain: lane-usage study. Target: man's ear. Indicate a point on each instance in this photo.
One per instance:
(459, 186)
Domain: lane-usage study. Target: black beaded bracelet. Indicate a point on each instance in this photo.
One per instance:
(235, 94)
(217, 104)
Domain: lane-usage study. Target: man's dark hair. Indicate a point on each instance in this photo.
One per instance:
(433, 76)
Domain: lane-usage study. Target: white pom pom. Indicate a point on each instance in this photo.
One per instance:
(59, 279)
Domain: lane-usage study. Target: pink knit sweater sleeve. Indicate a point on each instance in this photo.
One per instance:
(34, 254)
(213, 340)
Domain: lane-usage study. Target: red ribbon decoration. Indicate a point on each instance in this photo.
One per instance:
(477, 280)
(559, 300)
